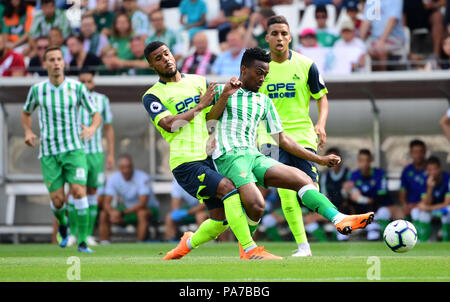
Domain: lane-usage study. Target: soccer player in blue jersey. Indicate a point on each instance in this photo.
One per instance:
(367, 191)
(435, 201)
(413, 177)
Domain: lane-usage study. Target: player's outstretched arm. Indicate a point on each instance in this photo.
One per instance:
(294, 148)
(172, 123)
(217, 110)
(30, 137)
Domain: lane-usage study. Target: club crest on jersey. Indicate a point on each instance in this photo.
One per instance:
(155, 107)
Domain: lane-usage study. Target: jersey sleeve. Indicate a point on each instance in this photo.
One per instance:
(272, 120)
(107, 115)
(353, 176)
(110, 188)
(156, 110)
(316, 84)
(144, 185)
(404, 181)
(31, 102)
(86, 100)
(382, 184)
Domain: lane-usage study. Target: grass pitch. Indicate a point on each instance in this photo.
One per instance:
(347, 261)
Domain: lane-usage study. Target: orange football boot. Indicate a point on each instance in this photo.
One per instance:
(181, 249)
(259, 253)
(241, 250)
(354, 222)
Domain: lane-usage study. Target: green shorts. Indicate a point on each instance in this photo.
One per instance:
(95, 175)
(244, 165)
(132, 217)
(65, 167)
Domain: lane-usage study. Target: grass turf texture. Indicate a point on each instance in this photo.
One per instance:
(346, 261)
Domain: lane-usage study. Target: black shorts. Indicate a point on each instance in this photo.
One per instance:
(284, 157)
(201, 180)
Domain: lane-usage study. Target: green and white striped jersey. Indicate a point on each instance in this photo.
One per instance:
(237, 127)
(58, 108)
(101, 102)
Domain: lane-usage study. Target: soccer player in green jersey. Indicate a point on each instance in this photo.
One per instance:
(177, 105)
(94, 156)
(61, 148)
(236, 155)
(292, 80)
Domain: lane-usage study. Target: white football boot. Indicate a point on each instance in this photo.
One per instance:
(303, 250)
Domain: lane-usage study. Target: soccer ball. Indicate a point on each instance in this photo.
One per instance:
(400, 236)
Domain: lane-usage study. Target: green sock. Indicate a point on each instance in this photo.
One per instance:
(273, 234)
(237, 220)
(72, 217)
(93, 211)
(60, 214)
(426, 233)
(209, 230)
(446, 232)
(383, 224)
(317, 202)
(82, 212)
(293, 214)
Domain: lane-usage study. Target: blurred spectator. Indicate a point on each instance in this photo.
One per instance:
(352, 11)
(161, 33)
(55, 38)
(139, 20)
(383, 18)
(148, 6)
(413, 177)
(447, 16)
(258, 18)
(104, 18)
(16, 22)
(325, 36)
(169, 3)
(331, 184)
(201, 61)
(337, 3)
(11, 64)
(311, 49)
(367, 191)
(49, 17)
(442, 62)
(426, 14)
(227, 8)
(139, 204)
(193, 16)
(270, 3)
(348, 53)
(435, 202)
(80, 58)
(110, 61)
(35, 65)
(93, 41)
(111, 5)
(192, 212)
(138, 65)
(121, 36)
(229, 62)
(445, 124)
